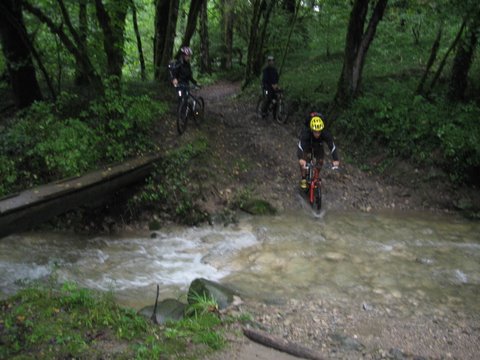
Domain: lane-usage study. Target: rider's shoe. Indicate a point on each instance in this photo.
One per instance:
(303, 184)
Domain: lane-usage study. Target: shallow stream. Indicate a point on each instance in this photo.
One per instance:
(423, 262)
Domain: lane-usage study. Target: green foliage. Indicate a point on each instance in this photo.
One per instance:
(9, 176)
(201, 329)
(51, 320)
(55, 321)
(409, 127)
(124, 122)
(47, 142)
(170, 186)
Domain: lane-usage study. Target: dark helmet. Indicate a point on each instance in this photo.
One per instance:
(185, 50)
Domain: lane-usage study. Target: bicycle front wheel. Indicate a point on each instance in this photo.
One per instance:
(318, 197)
(182, 116)
(281, 113)
(199, 111)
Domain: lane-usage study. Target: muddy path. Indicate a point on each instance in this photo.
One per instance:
(258, 157)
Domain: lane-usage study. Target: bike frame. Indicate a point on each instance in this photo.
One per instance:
(314, 179)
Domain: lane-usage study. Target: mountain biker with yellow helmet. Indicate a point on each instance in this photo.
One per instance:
(312, 138)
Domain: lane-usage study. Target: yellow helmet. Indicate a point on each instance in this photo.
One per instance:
(316, 123)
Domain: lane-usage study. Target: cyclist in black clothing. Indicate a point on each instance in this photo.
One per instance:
(312, 137)
(269, 83)
(181, 71)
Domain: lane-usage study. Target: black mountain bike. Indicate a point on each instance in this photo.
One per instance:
(189, 106)
(277, 107)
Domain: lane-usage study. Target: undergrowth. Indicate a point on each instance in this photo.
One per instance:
(52, 320)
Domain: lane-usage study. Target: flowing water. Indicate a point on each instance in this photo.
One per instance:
(422, 261)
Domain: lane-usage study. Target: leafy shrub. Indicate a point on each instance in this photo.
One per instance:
(7, 169)
(412, 128)
(170, 186)
(124, 123)
(48, 142)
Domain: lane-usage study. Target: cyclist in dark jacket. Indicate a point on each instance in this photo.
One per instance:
(181, 71)
(270, 79)
(312, 138)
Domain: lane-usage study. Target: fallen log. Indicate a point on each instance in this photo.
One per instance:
(286, 346)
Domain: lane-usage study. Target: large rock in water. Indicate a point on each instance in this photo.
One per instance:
(203, 287)
(168, 309)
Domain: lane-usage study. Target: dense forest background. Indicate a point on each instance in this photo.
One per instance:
(84, 81)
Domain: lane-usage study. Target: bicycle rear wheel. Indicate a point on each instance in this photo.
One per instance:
(199, 111)
(258, 109)
(182, 116)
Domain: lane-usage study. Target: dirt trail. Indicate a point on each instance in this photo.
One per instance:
(261, 156)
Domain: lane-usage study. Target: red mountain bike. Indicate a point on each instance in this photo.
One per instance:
(314, 188)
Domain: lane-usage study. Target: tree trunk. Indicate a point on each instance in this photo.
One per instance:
(256, 38)
(356, 47)
(292, 26)
(263, 34)
(227, 33)
(289, 6)
(205, 66)
(112, 23)
(444, 60)
(195, 6)
(162, 8)
(139, 40)
(76, 49)
(18, 55)
(166, 15)
(80, 77)
(462, 63)
(431, 60)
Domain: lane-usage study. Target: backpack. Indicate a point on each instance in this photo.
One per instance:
(172, 68)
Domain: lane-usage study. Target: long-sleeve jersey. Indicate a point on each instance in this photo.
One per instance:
(308, 141)
(182, 71)
(269, 77)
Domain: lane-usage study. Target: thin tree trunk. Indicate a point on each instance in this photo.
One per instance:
(205, 66)
(139, 40)
(445, 57)
(195, 6)
(259, 51)
(431, 60)
(162, 9)
(228, 22)
(79, 56)
(29, 44)
(18, 55)
(356, 47)
(169, 39)
(80, 77)
(252, 42)
(462, 63)
(113, 28)
(292, 26)
(257, 38)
